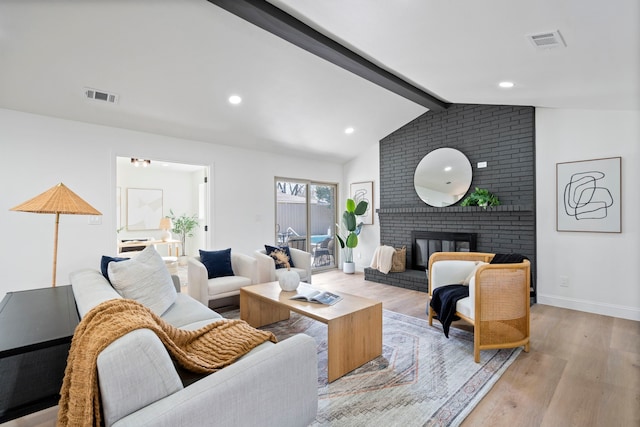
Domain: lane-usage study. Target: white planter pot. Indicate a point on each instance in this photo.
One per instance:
(289, 281)
(349, 267)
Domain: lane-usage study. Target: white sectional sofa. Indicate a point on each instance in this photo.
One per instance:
(273, 385)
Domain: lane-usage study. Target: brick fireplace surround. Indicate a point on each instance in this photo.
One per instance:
(502, 136)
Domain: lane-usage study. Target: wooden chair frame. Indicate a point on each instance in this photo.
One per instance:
(501, 302)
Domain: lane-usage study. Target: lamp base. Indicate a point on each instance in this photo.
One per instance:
(166, 235)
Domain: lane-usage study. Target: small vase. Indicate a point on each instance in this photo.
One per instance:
(289, 281)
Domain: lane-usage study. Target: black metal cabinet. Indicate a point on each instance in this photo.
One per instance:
(36, 328)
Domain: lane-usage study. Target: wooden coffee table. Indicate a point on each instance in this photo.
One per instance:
(354, 323)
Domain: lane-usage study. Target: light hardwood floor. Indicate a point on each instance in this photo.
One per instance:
(582, 370)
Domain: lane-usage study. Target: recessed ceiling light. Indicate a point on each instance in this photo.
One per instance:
(506, 85)
(235, 99)
(447, 168)
(349, 130)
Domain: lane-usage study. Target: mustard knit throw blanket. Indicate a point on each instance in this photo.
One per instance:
(205, 350)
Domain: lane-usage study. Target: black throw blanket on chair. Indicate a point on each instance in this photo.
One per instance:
(508, 259)
(443, 302)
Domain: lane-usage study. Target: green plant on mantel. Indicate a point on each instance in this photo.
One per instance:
(481, 197)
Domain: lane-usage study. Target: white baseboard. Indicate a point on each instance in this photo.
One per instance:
(613, 310)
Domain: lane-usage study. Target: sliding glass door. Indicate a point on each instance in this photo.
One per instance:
(291, 214)
(322, 213)
(305, 219)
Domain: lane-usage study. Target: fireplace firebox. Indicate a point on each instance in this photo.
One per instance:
(424, 243)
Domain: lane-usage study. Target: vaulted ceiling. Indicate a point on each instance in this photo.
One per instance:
(174, 64)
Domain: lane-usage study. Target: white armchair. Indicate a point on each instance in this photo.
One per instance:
(267, 271)
(208, 290)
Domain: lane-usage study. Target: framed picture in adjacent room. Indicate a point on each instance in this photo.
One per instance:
(588, 195)
(144, 208)
(363, 191)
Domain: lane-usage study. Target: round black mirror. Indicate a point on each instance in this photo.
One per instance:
(442, 177)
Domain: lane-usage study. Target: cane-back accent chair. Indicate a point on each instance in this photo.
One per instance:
(498, 302)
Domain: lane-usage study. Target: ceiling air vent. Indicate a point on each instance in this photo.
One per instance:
(100, 95)
(546, 40)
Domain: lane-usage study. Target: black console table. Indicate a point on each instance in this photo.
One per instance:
(36, 328)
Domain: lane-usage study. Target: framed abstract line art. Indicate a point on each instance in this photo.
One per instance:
(144, 209)
(588, 196)
(363, 191)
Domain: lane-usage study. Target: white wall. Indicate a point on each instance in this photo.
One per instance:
(603, 268)
(37, 152)
(366, 167)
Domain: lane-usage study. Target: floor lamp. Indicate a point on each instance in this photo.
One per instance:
(57, 200)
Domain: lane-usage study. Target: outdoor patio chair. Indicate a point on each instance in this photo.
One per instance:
(298, 242)
(323, 253)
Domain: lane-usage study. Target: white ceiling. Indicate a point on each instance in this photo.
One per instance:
(174, 64)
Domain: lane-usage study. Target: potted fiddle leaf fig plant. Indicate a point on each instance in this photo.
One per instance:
(350, 231)
(183, 227)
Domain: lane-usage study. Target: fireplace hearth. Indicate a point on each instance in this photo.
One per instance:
(423, 244)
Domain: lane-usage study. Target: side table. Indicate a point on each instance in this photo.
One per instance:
(36, 328)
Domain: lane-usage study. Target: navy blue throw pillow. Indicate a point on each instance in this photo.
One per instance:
(217, 263)
(104, 264)
(271, 249)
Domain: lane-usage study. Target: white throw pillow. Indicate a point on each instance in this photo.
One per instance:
(471, 275)
(144, 279)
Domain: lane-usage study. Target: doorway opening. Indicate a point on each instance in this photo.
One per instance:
(149, 190)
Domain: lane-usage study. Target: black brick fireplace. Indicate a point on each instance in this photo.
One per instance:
(502, 136)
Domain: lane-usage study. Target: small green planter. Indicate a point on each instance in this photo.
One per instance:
(481, 197)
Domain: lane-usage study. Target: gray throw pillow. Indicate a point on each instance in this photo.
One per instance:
(145, 279)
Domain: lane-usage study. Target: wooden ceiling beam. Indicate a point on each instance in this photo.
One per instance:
(276, 21)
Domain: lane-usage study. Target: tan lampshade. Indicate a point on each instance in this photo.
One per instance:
(57, 200)
(165, 224)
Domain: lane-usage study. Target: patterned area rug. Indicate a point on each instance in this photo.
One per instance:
(421, 379)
